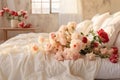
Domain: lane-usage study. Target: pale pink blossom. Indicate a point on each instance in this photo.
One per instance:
(61, 38)
(41, 39)
(63, 28)
(91, 56)
(75, 35)
(76, 44)
(35, 48)
(48, 47)
(52, 38)
(71, 27)
(104, 50)
(59, 56)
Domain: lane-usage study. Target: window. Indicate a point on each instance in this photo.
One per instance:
(45, 6)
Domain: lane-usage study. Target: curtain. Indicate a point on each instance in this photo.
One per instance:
(70, 10)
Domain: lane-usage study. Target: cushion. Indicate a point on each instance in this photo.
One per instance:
(116, 14)
(112, 29)
(83, 26)
(98, 20)
(106, 22)
(117, 41)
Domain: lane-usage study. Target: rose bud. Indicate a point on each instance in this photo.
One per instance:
(84, 40)
(95, 44)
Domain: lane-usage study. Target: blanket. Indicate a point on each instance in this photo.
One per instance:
(18, 62)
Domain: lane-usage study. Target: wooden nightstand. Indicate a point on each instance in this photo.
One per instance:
(6, 29)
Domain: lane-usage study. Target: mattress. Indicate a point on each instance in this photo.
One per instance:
(107, 70)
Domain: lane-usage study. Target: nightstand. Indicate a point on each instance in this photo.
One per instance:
(6, 29)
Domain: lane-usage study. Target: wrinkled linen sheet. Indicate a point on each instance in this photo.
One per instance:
(17, 62)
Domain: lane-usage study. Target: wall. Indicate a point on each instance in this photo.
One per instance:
(93, 7)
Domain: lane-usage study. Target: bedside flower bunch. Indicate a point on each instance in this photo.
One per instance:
(68, 44)
(24, 25)
(96, 48)
(13, 15)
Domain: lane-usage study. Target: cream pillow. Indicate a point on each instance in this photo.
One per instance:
(117, 42)
(116, 14)
(83, 26)
(106, 22)
(112, 29)
(98, 21)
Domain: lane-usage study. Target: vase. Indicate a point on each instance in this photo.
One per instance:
(14, 23)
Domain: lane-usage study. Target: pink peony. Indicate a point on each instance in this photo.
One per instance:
(104, 51)
(48, 47)
(76, 44)
(59, 56)
(91, 56)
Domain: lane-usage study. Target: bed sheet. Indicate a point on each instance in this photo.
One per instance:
(105, 69)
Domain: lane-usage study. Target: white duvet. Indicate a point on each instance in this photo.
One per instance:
(17, 62)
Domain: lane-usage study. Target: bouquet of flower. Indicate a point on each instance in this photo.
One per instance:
(13, 15)
(96, 47)
(67, 44)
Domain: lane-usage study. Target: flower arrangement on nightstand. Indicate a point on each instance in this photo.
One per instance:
(16, 17)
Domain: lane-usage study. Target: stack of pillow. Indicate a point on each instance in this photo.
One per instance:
(110, 24)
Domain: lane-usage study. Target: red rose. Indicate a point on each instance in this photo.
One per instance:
(84, 40)
(14, 13)
(27, 25)
(1, 12)
(6, 9)
(115, 50)
(95, 44)
(23, 12)
(103, 36)
(21, 24)
(114, 58)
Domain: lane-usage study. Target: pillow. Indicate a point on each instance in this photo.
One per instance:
(83, 26)
(116, 14)
(98, 21)
(117, 41)
(112, 29)
(106, 22)
(95, 17)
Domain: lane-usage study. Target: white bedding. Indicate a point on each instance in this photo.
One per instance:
(17, 62)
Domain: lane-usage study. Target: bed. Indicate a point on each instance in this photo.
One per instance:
(19, 62)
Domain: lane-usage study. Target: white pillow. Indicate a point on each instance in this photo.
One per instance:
(116, 14)
(98, 21)
(95, 17)
(117, 42)
(112, 29)
(83, 26)
(106, 22)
